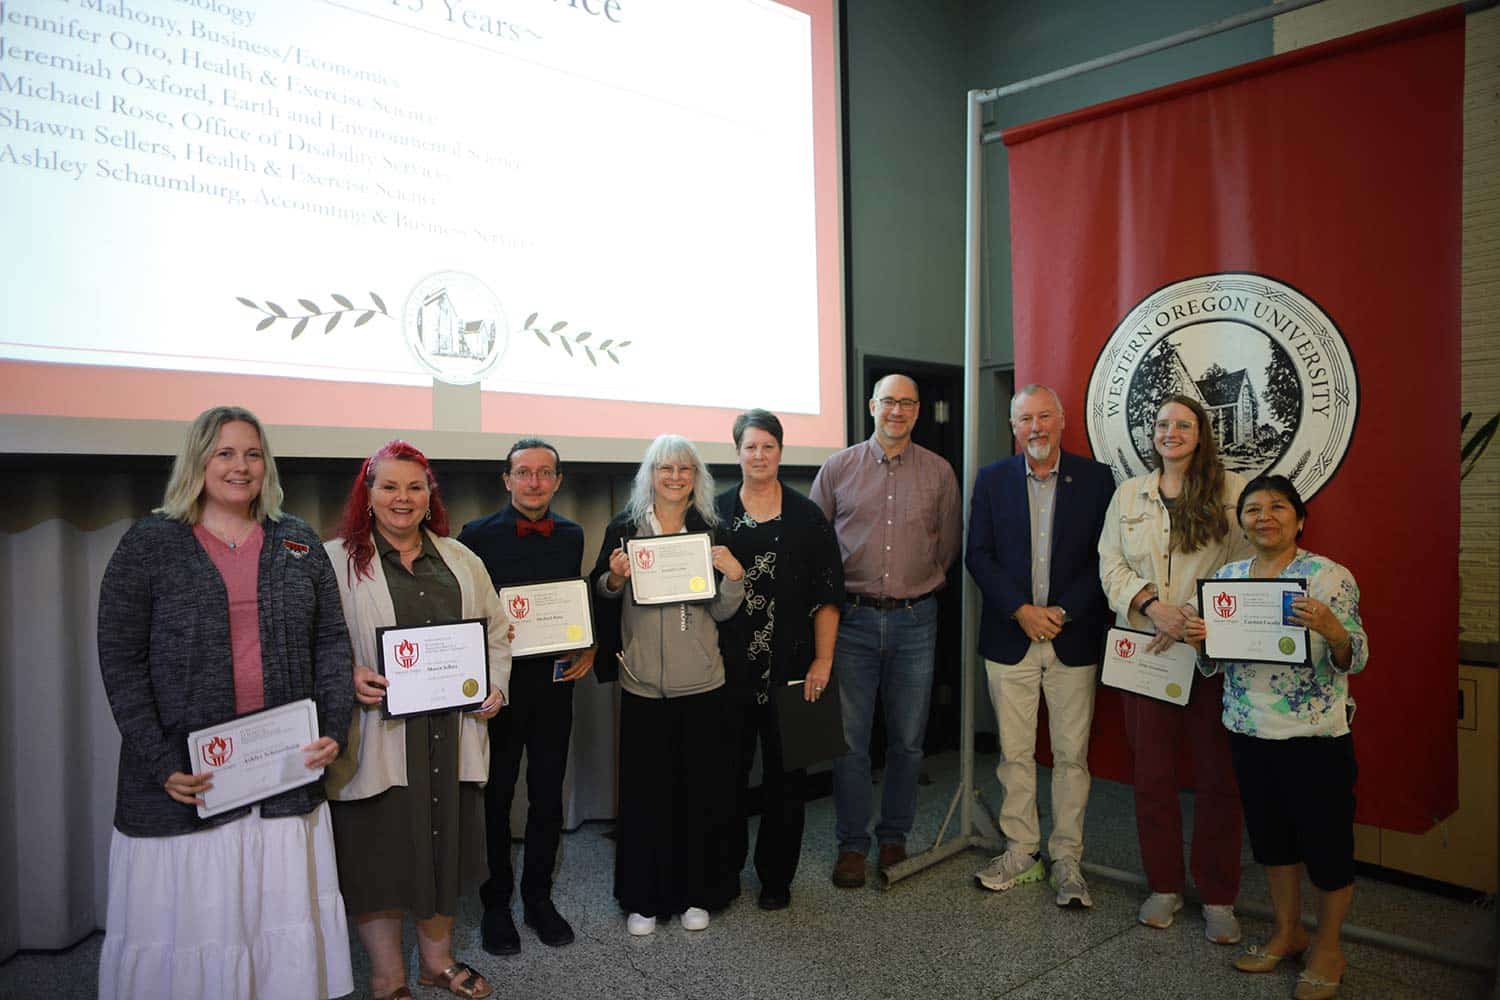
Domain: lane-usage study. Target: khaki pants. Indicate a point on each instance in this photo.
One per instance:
(1014, 689)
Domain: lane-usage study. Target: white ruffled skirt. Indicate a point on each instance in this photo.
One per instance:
(249, 909)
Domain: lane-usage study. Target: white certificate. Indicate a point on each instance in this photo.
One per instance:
(668, 569)
(552, 616)
(1166, 676)
(432, 668)
(1251, 620)
(256, 756)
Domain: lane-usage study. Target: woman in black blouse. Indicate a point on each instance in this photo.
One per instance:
(784, 632)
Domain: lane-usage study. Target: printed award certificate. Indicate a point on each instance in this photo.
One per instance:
(550, 616)
(432, 668)
(256, 756)
(1166, 676)
(1251, 620)
(668, 569)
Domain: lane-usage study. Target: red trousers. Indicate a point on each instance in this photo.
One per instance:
(1156, 730)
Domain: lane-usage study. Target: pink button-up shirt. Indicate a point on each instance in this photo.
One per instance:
(898, 519)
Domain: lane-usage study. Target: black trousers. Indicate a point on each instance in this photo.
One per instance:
(539, 721)
(783, 797)
(676, 805)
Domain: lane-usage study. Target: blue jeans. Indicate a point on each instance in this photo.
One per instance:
(890, 652)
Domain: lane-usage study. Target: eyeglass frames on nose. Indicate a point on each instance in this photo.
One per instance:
(891, 403)
(1162, 426)
(534, 475)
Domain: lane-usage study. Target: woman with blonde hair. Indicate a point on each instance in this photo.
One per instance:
(216, 605)
(1162, 532)
(676, 768)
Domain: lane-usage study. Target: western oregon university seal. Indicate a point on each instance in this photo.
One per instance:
(1269, 366)
(455, 327)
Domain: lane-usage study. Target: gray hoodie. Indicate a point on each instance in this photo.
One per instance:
(672, 650)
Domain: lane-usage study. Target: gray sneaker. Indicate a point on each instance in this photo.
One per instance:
(1067, 880)
(1011, 868)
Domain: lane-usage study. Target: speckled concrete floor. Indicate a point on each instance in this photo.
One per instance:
(932, 935)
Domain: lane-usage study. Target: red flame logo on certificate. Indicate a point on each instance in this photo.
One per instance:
(520, 607)
(1224, 605)
(407, 654)
(217, 751)
(1124, 648)
(645, 558)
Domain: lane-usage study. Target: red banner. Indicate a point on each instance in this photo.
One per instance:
(1281, 240)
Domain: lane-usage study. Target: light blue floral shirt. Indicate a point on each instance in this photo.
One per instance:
(1282, 701)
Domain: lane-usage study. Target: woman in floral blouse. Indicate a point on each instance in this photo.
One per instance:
(1290, 742)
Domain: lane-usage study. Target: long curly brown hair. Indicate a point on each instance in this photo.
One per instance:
(1198, 519)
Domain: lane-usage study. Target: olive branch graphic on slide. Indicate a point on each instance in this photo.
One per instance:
(607, 346)
(311, 310)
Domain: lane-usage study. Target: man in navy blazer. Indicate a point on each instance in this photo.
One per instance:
(1033, 549)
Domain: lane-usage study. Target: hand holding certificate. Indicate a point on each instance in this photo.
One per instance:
(432, 668)
(1253, 620)
(671, 569)
(552, 616)
(1128, 664)
(255, 757)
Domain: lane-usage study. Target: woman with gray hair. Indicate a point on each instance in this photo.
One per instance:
(215, 605)
(676, 770)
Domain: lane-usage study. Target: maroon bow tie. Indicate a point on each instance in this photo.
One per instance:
(525, 526)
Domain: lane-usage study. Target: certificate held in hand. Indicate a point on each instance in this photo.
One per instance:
(255, 756)
(1251, 620)
(432, 668)
(550, 616)
(671, 569)
(1127, 664)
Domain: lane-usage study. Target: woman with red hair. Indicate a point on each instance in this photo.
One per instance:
(407, 794)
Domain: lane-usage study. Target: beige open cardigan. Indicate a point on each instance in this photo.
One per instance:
(374, 758)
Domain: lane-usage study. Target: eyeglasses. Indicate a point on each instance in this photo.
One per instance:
(1162, 426)
(890, 403)
(676, 470)
(534, 475)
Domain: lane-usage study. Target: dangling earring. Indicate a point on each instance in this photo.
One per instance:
(371, 512)
(428, 516)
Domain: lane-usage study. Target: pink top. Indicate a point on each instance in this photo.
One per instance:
(240, 568)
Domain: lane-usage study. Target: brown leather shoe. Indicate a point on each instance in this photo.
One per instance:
(892, 855)
(849, 871)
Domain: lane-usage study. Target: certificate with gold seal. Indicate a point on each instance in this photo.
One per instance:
(1251, 620)
(550, 616)
(671, 569)
(432, 668)
(1129, 666)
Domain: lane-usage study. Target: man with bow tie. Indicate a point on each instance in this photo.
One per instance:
(525, 542)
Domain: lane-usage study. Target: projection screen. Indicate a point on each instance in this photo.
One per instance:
(594, 220)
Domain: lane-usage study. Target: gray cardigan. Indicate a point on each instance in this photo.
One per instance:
(165, 657)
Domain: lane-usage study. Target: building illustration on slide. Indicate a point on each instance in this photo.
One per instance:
(445, 334)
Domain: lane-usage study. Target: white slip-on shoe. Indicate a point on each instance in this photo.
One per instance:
(1159, 909)
(694, 918)
(640, 926)
(1220, 925)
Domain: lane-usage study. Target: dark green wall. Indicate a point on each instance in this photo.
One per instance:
(909, 65)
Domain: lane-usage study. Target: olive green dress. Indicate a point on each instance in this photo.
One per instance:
(415, 847)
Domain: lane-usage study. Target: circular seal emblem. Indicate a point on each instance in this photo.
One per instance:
(1286, 644)
(1269, 366)
(1174, 690)
(471, 688)
(455, 327)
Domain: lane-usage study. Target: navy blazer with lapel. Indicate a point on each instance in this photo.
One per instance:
(998, 556)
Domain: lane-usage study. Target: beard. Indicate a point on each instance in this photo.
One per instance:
(1040, 451)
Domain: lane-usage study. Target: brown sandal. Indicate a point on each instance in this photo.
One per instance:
(401, 992)
(471, 987)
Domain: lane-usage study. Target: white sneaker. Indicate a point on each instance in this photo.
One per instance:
(1159, 909)
(1221, 926)
(695, 918)
(1067, 880)
(640, 926)
(1010, 869)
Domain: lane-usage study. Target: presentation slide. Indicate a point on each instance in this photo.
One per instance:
(593, 219)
